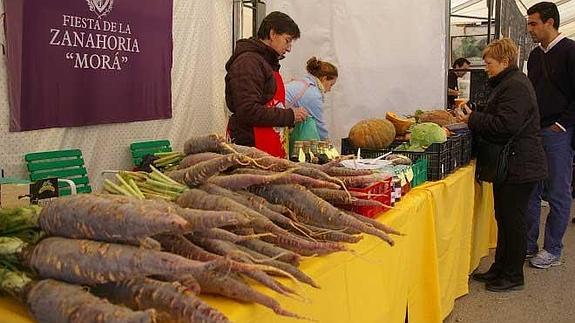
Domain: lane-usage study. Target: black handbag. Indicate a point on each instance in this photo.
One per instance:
(493, 158)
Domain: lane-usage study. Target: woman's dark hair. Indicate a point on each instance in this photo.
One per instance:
(460, 61)
(320, 69)
(280, 23)
(546, 11)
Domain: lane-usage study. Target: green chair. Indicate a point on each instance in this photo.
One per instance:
(141, 148)
(66, 165)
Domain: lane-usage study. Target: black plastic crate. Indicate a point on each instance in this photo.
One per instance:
(455, 143)
(347, 148)
(466, 147)
(449, 165)
(437, 156)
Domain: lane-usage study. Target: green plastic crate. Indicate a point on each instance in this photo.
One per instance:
(419, 172)
(64, 164)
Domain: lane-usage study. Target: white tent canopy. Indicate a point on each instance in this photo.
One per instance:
(478, 8)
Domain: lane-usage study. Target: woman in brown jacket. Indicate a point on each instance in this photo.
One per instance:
(511, 110)
(255, 91)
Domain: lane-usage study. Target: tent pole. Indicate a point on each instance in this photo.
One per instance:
(489, 15)
(448, 46)
(237, 22)
(497, 33)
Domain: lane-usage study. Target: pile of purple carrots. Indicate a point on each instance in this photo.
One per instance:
(148, 248)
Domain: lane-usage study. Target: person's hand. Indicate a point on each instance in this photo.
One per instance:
(555, 128)
(462, 113)
(466, 109)
(453, 92)
(300, 114)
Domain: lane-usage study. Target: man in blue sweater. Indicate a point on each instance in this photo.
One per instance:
(551, 68)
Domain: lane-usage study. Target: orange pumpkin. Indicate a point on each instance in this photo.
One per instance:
(401, 124)
(372, 134)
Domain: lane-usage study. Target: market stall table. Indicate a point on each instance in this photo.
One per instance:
(448, 227)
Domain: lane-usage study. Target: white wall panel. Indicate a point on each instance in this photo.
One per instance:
(390, 54)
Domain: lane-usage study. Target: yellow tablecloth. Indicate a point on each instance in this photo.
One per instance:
(448, 226)
(464, 222)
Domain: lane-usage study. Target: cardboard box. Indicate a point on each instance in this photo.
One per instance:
(14, 195)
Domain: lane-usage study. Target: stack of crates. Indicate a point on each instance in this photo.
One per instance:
(436, 155)
(380, 191)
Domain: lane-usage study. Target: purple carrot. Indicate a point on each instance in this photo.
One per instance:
(181, 246)
(339, 198)
(202, 144)
(188, 281)
(342, 171)
(227, 249)
(336, 162)
(198, 219)
(205, 219)
(191, 160)
(92, 217)
(53, 301)
(337, 236)
(289, 178)
(274, 207)
(202, 200)
(315, 230)
(272, 251)
(332, 196)
(230, 286)
(252, 204)
(201, 172)
(248, 151)
(241, 181)
(310, 207)
(170, 299)
(294, 271)
(225, 235)
(318, 174)
(90, 262)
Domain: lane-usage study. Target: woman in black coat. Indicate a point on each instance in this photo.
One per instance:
(511, 104)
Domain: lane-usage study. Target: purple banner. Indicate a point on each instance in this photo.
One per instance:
(86, 62)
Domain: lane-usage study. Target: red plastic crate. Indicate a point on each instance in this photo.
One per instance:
(382, 193)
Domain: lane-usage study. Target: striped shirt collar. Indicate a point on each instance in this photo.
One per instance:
(552, 44)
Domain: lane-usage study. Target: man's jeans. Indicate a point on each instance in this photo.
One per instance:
(556, 190)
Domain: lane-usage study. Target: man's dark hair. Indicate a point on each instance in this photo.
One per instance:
(460, 61)
(546, 11)
(280, 23)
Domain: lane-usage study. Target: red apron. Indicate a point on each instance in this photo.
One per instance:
(273, 140)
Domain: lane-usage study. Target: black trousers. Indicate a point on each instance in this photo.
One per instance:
(510, 212)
